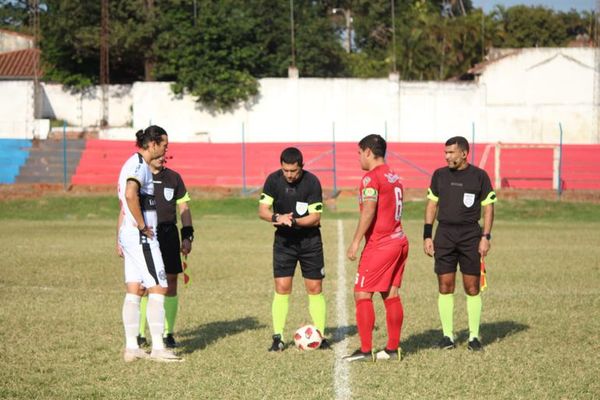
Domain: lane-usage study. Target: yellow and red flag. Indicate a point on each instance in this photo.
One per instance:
(482, 277)
(186, 272)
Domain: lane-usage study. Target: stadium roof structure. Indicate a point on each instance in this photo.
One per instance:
(19, 64)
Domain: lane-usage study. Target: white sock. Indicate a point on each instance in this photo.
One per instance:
(155, 313)
(131, 319)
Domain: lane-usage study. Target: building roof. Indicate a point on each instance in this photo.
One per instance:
(19, 64)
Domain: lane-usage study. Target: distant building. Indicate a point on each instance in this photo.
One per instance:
(18, 58)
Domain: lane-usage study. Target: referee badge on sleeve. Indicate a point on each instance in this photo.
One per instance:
(468, 199)
(169, 192)
(301, 207)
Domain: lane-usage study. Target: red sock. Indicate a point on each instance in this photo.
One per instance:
(394, 317)
(365, 321)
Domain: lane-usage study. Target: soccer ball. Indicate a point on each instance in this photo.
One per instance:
(307, 337)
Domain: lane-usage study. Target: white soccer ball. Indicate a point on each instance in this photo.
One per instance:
(307, 337)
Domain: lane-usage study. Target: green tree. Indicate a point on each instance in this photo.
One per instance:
(219, 55)
(14, 15)
(529, 27)
(71, 41)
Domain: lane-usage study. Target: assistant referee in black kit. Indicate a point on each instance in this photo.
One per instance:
(458, 194)
(292, 201)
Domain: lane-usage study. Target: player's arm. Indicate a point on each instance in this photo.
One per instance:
(312, 219)
(265, 206)
(488, 221)
(119, 223)
(132, 198)
(187, 228)
(487, 206)
(365, 220)
(430, 213)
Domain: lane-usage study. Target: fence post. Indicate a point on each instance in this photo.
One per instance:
(243, 161)
(473, 143)
(560, 145)
(385, 130)
(65, 155)
(334, 159)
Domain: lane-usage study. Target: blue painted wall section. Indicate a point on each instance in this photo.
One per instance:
(13, 154)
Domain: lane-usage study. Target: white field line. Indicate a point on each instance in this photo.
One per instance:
(341, 370)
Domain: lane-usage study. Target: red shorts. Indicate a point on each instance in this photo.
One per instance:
(381, 266)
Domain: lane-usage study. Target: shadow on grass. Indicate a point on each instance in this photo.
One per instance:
(490, 332)
(207, 334)
(340, 333)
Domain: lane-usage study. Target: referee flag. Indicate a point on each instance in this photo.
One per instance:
(482, 278)
(186, 272)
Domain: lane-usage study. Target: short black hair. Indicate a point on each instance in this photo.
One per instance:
(460, 141)
(375, 143)
(291, 155)
(153, 133)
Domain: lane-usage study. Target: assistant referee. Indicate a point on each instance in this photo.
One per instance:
(292, 201)
(458, 194)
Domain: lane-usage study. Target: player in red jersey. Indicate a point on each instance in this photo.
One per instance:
(386, 248)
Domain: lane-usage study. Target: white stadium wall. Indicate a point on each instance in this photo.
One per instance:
(84, 109)
(520, 98)
(17, 110)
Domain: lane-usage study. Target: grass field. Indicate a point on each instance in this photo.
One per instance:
(62, 293)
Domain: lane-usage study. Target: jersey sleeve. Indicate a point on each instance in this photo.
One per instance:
(433, 190)
(487, 191)
(268, 194)
(370, 188)
(136, 172)
(181, 193)
(315, 197)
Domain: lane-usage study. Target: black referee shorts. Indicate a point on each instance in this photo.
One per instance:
(457, 244)
(306, 249)
(170, 247)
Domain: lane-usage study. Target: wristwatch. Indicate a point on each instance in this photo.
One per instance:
(488, 236)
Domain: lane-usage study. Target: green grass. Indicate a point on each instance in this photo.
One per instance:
(61, 292)
(102, 207)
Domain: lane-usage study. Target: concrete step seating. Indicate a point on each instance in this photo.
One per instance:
(205, 164)
(209, 164)
(14, 154)
(46, 162)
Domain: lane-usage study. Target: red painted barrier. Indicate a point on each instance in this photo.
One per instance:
(221, 164)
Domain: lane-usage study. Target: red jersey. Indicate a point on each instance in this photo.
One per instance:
(383, 186)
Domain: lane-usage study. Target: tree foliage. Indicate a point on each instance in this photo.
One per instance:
(217, 50)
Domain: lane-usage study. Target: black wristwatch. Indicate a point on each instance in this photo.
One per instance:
(274, 217)
(488, 236)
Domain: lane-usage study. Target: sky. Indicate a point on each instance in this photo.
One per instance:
(558, 5)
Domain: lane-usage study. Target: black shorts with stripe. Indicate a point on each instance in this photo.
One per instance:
(170, 247)
(306, 249)
(457, 244)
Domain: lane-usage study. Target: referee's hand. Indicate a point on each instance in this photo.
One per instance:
(186, 247)
(428, 247)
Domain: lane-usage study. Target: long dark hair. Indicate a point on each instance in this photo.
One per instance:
(153, 133)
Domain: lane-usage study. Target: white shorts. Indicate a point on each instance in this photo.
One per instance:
(144, 264)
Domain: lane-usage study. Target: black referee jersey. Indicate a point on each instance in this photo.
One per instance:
(169, 190)
(460, 194)
(300, 198)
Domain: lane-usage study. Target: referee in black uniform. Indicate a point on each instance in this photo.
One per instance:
(458, 194)
(292, 201)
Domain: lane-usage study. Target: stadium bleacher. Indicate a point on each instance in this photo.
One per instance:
(222, 164)
(13, 156)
